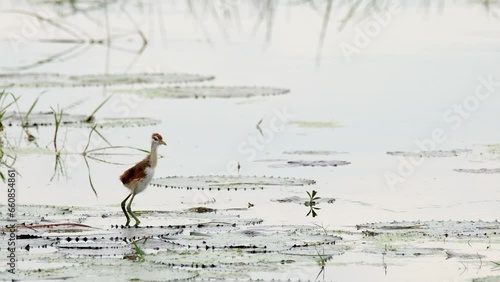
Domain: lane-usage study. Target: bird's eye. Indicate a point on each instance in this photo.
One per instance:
(154, 138)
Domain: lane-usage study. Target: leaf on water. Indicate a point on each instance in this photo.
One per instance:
(435, 228)
(206, 92)
(228, 182)
(479, 170)
(302, 163)
(262, 238)
(47, 119)
(315, 124)
(313, 152)
(122, 122)
(431, 154)
(98, 269)
(36, 80)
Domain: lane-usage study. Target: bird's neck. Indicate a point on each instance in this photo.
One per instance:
(153, 156)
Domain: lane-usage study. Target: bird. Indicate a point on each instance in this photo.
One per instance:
(137, 178)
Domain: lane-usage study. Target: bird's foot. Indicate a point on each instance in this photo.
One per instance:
(137, 222)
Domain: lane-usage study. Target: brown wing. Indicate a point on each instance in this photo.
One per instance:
(136, 172)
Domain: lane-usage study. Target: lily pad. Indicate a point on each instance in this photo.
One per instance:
(97, 269)
(435, 228)
(479, 170)
(315, 124)
(431, 154)
(228, 182)
(37, 80)
(47, 119)
(313, 152)
(259, 239)
(206, 92)
(406, 251)
(302, 163)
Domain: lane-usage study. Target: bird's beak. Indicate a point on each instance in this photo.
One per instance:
(163, 143)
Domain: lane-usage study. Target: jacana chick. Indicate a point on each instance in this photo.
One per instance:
(137, 178)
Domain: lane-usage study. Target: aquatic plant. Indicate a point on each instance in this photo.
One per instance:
(311, 203)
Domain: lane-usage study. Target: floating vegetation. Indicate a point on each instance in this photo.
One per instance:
(406, 251)
(303, 163)
(40, 119)
(122, 122)
(207, 92)
(228, 182)
(313, 152)
(434, 228)
(488, 152)
(221, 241)
(312, 202)
(478, 170)
(259, 239)
(431, 153)
(493, 148)
(37, 80)
(487, 279)
(315, 124)
(47, 119)
(97, 269)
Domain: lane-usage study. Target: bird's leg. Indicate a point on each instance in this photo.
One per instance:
(129, 209)
(124, 211)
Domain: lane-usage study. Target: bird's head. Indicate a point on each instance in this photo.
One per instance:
(157, 139)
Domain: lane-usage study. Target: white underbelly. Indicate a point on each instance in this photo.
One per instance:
(143, 184)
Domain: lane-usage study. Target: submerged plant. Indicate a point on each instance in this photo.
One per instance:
(311, 203)
(322, 259)
(139, 253)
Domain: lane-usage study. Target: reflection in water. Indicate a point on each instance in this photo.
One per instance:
(74, 20)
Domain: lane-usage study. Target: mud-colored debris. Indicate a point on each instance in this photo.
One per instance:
(228, 183)
(478, 170)
(303, 163)
(201, 210)
(431, 154)
(37, 80)
(206, 92)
